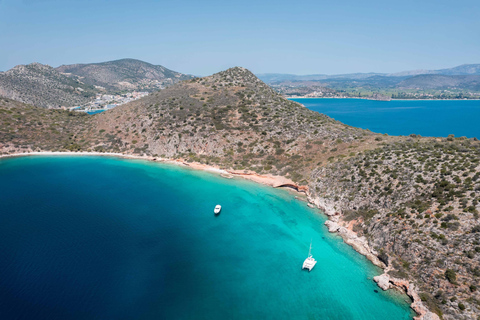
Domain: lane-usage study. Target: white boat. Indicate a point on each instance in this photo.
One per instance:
(310, 262)
(217, 209)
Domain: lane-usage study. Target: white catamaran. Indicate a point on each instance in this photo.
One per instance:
(310, 262)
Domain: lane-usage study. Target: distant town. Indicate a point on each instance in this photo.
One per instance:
(105, 102)
(309, 90)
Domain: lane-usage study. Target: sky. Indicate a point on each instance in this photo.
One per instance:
(204, 37)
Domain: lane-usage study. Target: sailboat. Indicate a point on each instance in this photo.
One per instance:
(310, 262)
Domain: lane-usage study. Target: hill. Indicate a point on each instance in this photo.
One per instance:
(43, 86)
(124, 74)
(26, 128)
(442, 82)
(464, 69)
(231, 119)
(417, 203)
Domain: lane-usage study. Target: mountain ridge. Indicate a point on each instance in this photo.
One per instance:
(43, 86)
(460, 82)
(48, 87)
(464, 69)
(124, 74)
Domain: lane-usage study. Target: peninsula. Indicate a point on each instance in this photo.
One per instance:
(410, 204)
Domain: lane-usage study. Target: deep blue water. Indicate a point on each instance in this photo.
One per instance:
(437, 118)
(105, 238)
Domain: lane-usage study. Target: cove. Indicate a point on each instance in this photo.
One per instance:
(430, 118)
(87, 237)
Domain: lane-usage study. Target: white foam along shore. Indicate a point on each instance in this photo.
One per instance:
(357, 243)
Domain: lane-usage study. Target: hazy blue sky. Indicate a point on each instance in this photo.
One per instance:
(203, 37)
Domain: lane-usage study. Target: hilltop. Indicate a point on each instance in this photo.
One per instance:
(75, 85)
(408, 203)
(43, 86)
(230, 119)
(124, 74)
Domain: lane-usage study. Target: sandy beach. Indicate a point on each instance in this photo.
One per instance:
(269, 180)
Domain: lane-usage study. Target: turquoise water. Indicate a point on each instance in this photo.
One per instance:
(437, 118)
(106, 238)
(95, 112)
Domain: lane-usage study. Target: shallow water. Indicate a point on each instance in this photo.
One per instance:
(437, 118)
(106, 238)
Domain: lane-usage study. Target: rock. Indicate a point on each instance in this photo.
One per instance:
(359, 244)
(417, 304)
(325, 205)
(383, 281)
(332, 226)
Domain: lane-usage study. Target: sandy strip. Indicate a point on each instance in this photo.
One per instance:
(269, 180)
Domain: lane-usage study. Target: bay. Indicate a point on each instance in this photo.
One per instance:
(107, 238)
(432, 118)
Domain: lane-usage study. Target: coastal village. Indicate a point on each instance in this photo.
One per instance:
(105, 102)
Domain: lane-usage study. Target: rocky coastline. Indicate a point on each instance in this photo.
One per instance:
(360, 244)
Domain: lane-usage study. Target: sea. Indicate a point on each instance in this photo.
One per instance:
(437, 118)
(88, 237)
(95, 111)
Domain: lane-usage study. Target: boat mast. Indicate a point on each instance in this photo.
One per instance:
(310, 250)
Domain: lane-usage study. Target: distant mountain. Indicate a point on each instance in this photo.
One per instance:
(466, 69)
(124, 74)
(280, 77)
(463, 80)
(276, 77)
(437, 81)
(409, 73)
(43, 86)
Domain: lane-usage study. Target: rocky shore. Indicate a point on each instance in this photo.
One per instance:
(386, 282)
(360, 244)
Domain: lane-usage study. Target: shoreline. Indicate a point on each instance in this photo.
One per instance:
(269, 180)
(365, 98)
(333, 224)
(360, 245)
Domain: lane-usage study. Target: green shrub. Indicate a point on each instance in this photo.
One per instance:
(451, 275)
